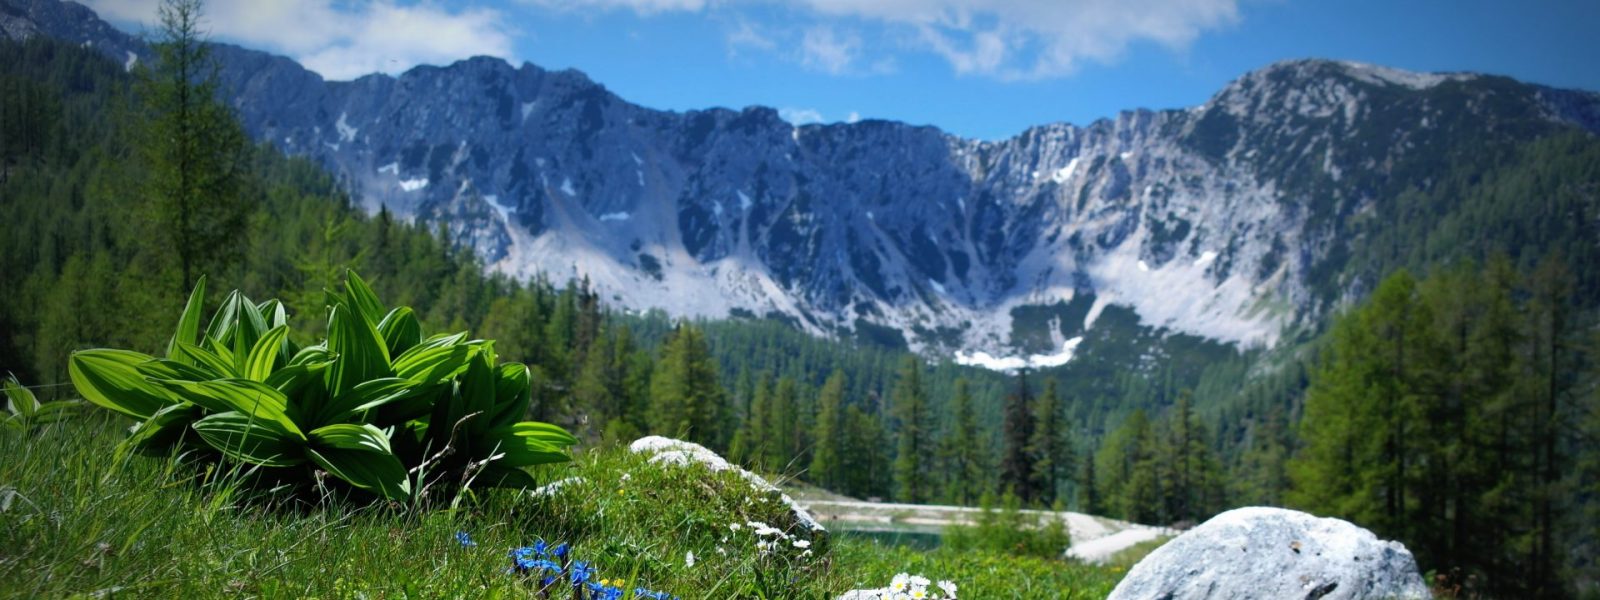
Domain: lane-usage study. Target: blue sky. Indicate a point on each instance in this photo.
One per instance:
(978, 68)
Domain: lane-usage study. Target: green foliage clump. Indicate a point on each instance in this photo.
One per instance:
(25, 414)
(376, 405)
(1010, 530)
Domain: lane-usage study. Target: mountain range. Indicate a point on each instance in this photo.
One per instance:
(1240, 220)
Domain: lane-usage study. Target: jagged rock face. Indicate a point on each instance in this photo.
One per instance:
(1218, 221)
(1261, 552)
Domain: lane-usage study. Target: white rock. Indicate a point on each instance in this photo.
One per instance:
(1262, 552)
(678, 452)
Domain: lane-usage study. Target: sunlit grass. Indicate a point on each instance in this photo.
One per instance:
(77, 520)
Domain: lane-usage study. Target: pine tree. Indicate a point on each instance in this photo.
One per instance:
(752, 444)
(194, 150)
(912, 483)
(783, 426)
(963, 450)
(1016, 462)
(827, 464)
(685, 394)
(1048, 445)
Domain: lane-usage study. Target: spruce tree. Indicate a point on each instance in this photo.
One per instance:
(1016, 461)
(964, 450)
(685, 394)
(1048, 445)
(827, 464)
(194, 150)
(912, 481)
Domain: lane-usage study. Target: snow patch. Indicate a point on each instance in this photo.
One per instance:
(391, 168)
(505, 211)
(616, 216)
(527, 109)
(1206, 258)
(716, 207)
(127, 65)
(744, 201)
(1375, 74)
(1013, 363)
(640, 175)
(566, 188)
(412, 185)
(636, 160)
(937, 287)
(346, 132)
(1064, 173)
(1144, 267)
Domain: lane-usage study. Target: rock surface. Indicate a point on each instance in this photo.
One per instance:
(678, 452)
(1262, 552)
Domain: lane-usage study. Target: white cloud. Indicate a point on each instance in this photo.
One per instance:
(800, 116)
(1007, 39)
(824, 49)
(342, 39)
(854, 117)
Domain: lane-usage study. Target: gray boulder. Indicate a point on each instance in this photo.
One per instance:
(1263, 552)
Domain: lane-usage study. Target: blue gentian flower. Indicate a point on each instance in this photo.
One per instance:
(580, 572)
(561, 551)
(465, 540)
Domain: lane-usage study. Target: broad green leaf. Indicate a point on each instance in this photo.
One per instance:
(360, 455)
(20, 400)
(226, 318)
(498, 475)
(361, 298)
(477, 393)
(52, 412)
(255, 441)
(511, 394)
(251, 398)
(264, 356)
(111, 378)
(162, 368)
(544, 432)
(361, 353)
(12, 423)
(400, 330)
(370, 395)
(348, 436)
(412, 406)
(523, 450)
(428, 364)
(272, 311)
(531, 443)
(311, 354)
(188, 330)
(163, 429)
(207, 360)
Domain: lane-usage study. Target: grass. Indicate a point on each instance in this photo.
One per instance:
(76, 520)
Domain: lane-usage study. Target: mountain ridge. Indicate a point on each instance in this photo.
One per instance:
(1224, 220)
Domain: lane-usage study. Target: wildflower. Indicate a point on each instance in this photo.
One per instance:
(561, 551)
(802, 544)
(688, 559)
(919, 581)
(949, 588)
(580, 572)
(899, 583)
(734, 526)
(465, 540)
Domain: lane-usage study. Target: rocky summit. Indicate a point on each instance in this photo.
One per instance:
(1234, 220)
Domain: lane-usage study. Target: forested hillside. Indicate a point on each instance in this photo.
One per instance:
(1455, 410)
